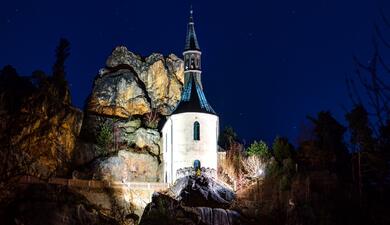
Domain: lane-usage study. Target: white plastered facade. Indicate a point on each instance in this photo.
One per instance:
(180, 150)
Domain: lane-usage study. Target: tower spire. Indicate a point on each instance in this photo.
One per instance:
(193, 98)
(191, 40)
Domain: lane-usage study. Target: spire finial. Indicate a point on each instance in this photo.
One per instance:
(191, 14)
(191, 41)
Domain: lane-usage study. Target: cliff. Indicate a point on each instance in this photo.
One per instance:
(38, 128)
(130, 98)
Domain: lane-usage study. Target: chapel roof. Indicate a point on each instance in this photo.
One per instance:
(193, 98)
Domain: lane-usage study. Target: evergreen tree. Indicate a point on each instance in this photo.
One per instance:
(59, 74)
(227, 138)
(282, 149)
(361, 132)
(260, 149)
(327, 150)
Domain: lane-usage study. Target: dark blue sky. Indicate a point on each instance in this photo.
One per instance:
(267, 64)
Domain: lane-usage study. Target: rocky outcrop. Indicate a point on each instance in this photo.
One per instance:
(133, 153)
(50, 205)
(119, 94)
(202, 191)
(38, 128)
(192, 200)
(130, 96)
(131, 85)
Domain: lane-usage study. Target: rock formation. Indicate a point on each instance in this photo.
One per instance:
(131, 85)
(51, 205)
(192, 200)
(38, 129)
(202, 191)
(117, 137)
(128, 166)
(130, 96)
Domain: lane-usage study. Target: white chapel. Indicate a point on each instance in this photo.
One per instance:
(190, 134)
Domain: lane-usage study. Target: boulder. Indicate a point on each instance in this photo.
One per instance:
(147, 139)
(128, 166)
(166, 210)
(202, 191)
(118, 94)
(133, 85)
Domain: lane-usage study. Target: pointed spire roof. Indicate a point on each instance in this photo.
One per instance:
(191, 40)
(193, 98)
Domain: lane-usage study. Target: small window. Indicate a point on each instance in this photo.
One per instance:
(196, 131)
(192, 62)
(196, 164)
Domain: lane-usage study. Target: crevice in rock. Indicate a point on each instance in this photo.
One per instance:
(137, 79)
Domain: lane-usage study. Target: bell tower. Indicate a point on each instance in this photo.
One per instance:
(192, 53)
(190, 134)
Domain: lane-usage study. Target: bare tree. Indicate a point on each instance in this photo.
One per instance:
(254, 166)
(370, 87)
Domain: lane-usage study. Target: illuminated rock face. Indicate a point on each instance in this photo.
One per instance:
(118, 94)
(127, 93)
(38, 134)
(132, 85)
(47, 141)
(129, 166)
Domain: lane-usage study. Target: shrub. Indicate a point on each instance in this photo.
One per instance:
(152, 119)
(260, 149)
(104, 138)
(254, 166)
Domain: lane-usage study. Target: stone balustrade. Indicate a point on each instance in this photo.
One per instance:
(187, 171)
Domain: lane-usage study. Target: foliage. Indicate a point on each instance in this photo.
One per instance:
(227, 138)
(282, 149)
(234, 155)
(260, 149)
(152, 119)
(59, 80)
(361, 132)
(327, 149)
(105, 137)
(62, 53)
(328, 132)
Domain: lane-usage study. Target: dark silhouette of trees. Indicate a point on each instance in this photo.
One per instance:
(361, 133)
(59, 73)
(227, 138)
(327, 149)
(282, 149)
(370, 88)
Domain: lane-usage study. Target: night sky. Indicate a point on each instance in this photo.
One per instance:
(266, 64)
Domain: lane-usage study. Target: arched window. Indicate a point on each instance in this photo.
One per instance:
(196, 131)
(187, 61)
(196, 164)
(192, 62)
